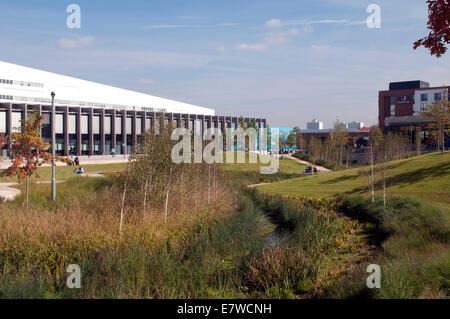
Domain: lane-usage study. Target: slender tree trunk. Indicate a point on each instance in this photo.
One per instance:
(123, 198)
(167, 195)
(145, 194)
(26, 191)
(122, 206)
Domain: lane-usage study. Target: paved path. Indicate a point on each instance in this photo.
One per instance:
(321, 169)
(8, 193)
(84, 160)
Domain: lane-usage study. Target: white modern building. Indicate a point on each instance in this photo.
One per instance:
(426, 97)
(92, 118)
(314, 125)
(355, 125)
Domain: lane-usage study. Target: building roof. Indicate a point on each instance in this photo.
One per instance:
(32, 86)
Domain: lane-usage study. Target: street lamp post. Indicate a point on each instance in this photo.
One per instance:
(53, 148)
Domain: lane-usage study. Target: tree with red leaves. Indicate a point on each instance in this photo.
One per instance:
(30, 151)
(439, 24)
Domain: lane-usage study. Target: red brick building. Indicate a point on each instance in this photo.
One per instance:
(400, 106)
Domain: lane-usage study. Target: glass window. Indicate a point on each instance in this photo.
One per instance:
(423, 97)
(437, 96)
(392, 110)
(392, 100)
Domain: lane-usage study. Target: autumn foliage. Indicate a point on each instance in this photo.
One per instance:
(439, 24)
(29, 150)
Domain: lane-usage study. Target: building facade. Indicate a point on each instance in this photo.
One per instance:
(314, 125)
(399, 107)
(355, 125)
(92, 118)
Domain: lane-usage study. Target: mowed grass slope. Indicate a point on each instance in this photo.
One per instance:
(426, 177)
(287, 166)
(65, 172)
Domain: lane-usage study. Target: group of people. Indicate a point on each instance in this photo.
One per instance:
(79, 171)
(74, 162)
(311, 170)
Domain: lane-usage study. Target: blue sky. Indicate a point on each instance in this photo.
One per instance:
(287, 61)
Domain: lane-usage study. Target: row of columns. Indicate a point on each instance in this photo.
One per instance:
(211, 121)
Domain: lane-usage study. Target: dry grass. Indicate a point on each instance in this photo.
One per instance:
(40, 238)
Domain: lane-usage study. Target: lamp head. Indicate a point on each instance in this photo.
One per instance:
(53, 95)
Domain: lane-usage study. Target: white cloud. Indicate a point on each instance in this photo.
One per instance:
(228, 24)
(166, 26)
(274, 23)
(221, 49)
(146, 81)
(309, 22)
(260, 47)
(361, 22)
(271, 38)
(175, 26)
(77, 43)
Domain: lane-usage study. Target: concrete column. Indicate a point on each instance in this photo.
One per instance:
(9, 119)
(66, 131)
(170, 115)
(187, 121)
(39, 112)
(78, 130)
(209, 121)
(180, 119)
(124, 132)
(25, 112)
(8, 126)
(144, 123)
(113, 131)
(215, 122)
(91, 131)
(102, 132)
(133, 130)
(153, 121)
(202, 125)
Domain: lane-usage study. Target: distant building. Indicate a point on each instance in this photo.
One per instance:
(92, 118)
(355, 125)
(399, 107)
(314, 125)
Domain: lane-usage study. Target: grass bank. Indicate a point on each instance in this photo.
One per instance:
(426, 177)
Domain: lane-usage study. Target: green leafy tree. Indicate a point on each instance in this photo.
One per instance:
(438, 116)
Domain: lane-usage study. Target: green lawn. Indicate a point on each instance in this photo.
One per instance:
(426, 177)
(287, 166)
(64, 172)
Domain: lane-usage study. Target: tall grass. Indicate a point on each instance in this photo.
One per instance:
(313, 255)
(414, 253)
